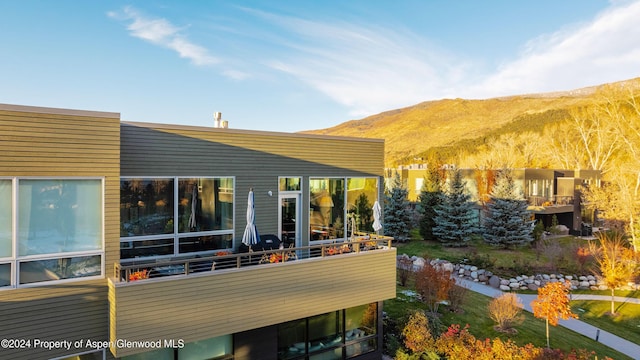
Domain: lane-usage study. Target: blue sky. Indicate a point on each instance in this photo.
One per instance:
(301, 65)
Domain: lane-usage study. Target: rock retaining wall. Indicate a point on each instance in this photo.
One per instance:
(521, 282)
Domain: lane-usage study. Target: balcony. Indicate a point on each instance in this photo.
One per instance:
(195, 299)
(555, 204)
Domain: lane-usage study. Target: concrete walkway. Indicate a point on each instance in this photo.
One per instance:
(615, 342)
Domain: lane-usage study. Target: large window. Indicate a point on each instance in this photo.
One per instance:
(327, 336)
(205, 204)
(6, 242)
(173, 216)
(362, 193)
(59, 233)
(326, 215)
(339, 206)
(220, 347)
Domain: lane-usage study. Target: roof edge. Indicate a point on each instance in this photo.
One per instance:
(244, 131)
(59, 111)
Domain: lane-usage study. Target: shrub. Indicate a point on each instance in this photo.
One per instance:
(505, 311)
(457, 296)
(433, 285)
(417, 336)
(404, 270)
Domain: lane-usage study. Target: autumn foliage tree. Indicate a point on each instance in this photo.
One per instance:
(552, 304)
(616, 261)
(433, 283)
(416, 333)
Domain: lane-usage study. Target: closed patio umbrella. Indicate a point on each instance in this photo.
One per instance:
(250, 236)
(377, 214)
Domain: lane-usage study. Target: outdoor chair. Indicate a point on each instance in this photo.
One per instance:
(291, 254)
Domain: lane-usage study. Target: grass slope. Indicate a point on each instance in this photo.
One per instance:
(412, 131)
(531, 330)
(625, 324)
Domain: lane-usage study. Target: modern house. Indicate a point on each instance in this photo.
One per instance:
(549, 191)
(123, 240)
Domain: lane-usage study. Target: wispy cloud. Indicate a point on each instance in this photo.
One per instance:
(161, 32)
(591, 53)
(366, 69)
(369, 69)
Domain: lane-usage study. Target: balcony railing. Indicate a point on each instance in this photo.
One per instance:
(143, 270)
(555, 200)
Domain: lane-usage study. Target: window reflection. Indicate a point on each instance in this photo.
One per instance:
(204, 205)
(326, 216)
(203, 220)
(58, 269)
(289, 184)
(5, 275)
(5, 218)
(56, 216)
(361, 195)
(328, 201)
(325, 336)
(146, 207)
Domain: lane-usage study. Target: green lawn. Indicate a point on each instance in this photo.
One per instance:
(531, 330)
(507, 262)
(626, 322)
(624, 293)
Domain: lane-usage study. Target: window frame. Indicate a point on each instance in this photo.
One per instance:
(15, 259)
(345, 214)
(176, 235)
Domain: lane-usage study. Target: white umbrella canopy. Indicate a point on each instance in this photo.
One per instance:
(377, 214)
(250, 236)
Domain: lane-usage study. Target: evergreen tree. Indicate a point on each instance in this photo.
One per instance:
(456, 217)
(508, 223)
(396, 213)
(364, 213)
(430, 197)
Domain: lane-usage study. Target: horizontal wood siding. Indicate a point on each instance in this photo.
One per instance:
(218, 148)
(61, 143)
(256, 159)
(223, 302)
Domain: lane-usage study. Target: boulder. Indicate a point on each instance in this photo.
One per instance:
(447, 266)
(494, 281)
(504, 288)
(419, 263)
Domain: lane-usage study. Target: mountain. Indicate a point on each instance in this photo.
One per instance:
(412, 131)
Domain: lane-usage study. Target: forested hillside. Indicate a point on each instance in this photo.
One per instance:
(451, 130)
(596, 128)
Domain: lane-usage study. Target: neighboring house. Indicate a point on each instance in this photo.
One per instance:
(86, 200)
(549, 191)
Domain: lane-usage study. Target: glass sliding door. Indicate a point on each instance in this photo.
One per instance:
(289, 223)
